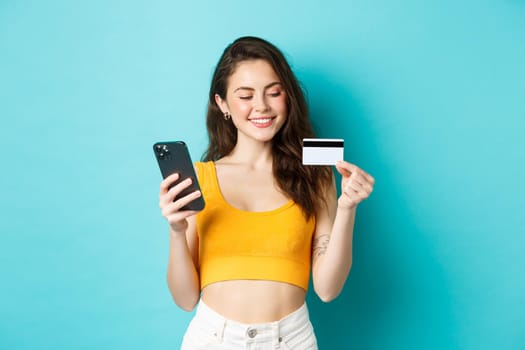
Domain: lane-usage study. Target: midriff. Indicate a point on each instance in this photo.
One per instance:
(253, 301)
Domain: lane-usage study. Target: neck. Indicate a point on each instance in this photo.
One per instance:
(252, 153)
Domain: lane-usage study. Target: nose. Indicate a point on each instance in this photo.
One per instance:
(260, 103)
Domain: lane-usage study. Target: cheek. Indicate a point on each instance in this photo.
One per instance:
(281, 106)
(239, 107)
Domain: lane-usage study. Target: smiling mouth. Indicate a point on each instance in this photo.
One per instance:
(262, 121)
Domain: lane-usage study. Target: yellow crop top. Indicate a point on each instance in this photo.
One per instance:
(236, 244)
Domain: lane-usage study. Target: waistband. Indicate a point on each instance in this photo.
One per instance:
(244, 332)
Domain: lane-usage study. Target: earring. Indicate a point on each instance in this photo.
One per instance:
(227, 116)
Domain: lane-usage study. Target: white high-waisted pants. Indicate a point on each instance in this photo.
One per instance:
(208, 330)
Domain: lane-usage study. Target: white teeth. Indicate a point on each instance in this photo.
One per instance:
(261, 121)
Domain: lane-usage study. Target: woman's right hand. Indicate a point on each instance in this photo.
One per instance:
(177, 218)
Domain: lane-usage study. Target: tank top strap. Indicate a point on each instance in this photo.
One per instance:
(207, 179)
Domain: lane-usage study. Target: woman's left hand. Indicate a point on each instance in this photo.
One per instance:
(356, 185)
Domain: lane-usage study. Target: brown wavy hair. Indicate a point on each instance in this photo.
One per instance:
(304, 184)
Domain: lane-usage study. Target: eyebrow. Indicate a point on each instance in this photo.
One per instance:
(252, 89)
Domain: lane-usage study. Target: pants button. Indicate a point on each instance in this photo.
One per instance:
(252, 333)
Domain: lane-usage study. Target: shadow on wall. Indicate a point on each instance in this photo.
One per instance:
(396, 296)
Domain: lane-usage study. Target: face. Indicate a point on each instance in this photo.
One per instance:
(256, 101)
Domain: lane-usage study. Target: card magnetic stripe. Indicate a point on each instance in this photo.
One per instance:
(330, 144)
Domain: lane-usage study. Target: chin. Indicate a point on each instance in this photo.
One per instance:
(265, 138)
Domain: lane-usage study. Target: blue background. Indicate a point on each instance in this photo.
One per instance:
(429, 96)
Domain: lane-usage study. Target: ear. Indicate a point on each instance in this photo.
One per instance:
(223, 106)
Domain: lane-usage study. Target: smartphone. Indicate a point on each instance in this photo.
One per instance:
(174, 157)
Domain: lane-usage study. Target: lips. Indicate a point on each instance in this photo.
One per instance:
(262, 122)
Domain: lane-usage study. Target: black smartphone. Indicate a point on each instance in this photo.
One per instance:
(174, 157)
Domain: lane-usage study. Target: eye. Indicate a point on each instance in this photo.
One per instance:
(275, 94)
(245, 97)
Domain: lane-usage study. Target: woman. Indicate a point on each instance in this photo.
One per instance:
(268, 219)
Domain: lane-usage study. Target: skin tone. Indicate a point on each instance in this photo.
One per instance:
(256, 102)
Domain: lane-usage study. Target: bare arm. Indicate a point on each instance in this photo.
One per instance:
(182, 275)
(332, 244)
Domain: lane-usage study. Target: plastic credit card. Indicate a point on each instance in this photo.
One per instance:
(322, 151)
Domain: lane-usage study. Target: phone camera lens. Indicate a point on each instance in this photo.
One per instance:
(162, 151)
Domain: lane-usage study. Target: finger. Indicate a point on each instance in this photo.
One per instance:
(184, 201)
(345, 173)
(362, 180)
(177, 189)
(167, 182)
(349, 198)
(346, 168)
(343, 170)
(353, 168)
(346, 165)
(179, 216)
(369, 177)
(173, 211)
(354, 186)
(187, 199)
(355, 196)
(364, 192)
(172, 193)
